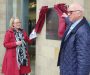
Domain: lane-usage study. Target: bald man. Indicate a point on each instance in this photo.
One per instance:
(74, 55)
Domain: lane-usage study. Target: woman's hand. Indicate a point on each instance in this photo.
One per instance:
(18, 43)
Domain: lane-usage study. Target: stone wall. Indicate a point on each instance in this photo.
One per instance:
(87, 9)
(47, 50)
(2, 28)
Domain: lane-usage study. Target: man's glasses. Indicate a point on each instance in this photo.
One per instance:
(70, 12)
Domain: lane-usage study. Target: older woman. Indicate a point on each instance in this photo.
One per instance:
(16, 60)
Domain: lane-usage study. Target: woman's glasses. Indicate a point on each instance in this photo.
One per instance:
(17, 22)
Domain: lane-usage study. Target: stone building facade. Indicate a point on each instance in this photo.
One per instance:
(46, 50)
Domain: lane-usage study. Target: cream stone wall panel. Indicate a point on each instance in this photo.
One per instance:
(87, 9)
(45, 49)
(79, 1)
(2, 49)
(43, 65)
(2, 29)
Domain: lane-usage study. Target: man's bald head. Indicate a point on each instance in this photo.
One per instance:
(75, 12)
(76, 6)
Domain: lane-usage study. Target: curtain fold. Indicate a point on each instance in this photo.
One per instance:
(40, 22)
(60, 9)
